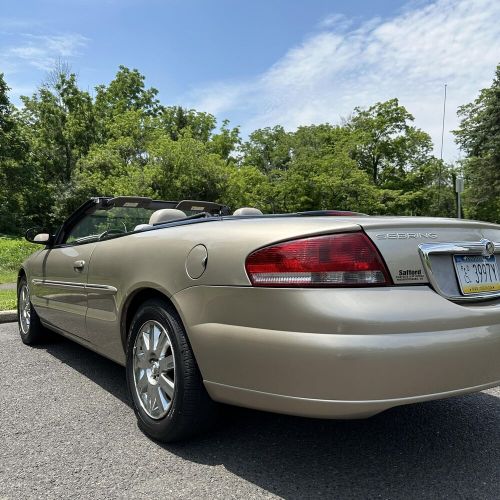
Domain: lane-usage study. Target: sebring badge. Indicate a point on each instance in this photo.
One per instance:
(406, 236)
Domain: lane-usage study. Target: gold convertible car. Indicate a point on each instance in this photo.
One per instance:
(323, 314)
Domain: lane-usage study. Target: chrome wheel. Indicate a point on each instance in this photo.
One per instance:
(154, 369)
(24, 309)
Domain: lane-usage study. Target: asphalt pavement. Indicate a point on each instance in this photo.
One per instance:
(67, 431)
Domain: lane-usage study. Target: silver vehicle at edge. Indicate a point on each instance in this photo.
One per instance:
(321, 314)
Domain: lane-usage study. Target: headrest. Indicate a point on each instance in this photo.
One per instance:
(247, 211)
(166, 215)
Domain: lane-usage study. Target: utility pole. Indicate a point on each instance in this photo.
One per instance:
(459, 187)
(442, 129)
(441, 153)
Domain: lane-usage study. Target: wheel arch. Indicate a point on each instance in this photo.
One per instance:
(20, 274)
(132, 304)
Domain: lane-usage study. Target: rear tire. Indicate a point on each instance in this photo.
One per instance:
(30, 327)
(164, 382)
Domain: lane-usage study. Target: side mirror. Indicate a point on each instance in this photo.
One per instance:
(34, 235)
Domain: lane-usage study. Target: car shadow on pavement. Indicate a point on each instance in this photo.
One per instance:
(102, 371)
(440, 449)
(448, 448)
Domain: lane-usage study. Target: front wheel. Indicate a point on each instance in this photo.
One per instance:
(165, 384)
(30, 328)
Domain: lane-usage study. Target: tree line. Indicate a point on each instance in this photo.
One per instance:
(65, 144)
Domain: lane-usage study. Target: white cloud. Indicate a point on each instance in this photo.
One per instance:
(335, 21)
(42, 51)
(409, 56)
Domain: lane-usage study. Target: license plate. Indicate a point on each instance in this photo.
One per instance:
(477, 273)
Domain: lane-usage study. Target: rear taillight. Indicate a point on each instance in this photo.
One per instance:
(337, 260)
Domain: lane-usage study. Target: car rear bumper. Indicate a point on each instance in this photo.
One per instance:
(339, 353)
(320, 408)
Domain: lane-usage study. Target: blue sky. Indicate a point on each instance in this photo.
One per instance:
(260, 62)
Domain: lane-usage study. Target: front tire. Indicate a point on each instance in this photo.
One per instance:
(30, 327)
(164, 382)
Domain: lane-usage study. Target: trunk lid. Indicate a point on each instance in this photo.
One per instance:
(399, 238)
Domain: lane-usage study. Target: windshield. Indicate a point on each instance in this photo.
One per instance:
(103, 218)
(102, 223)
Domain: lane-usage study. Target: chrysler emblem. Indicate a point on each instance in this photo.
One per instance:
(489, 247)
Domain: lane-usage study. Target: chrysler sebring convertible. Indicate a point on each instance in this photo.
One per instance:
(323, 314)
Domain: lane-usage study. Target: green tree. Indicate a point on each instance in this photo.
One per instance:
(11, 146)
(127, 92)
(388, 145)
(126, 119)
(322, 174)
(121, 165)
(61, 123)
(22, 189)
(479, 137)
(58, 122)
(14, 177)
(268, 149)
(249, 187)
(177, 120)
(225, 142)
(65, 145)
(426, 190)
(187, 169)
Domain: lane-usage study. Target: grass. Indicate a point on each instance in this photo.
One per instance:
(8, 276)
(13, 250)
(8, 300)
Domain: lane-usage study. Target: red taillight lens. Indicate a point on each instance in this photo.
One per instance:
(341, 260)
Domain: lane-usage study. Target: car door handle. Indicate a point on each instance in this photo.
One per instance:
(78, 265)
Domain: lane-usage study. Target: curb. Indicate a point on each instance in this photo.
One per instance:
(8, 286)
(8, 316)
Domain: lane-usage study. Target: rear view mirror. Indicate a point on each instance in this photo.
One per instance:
(35, 235)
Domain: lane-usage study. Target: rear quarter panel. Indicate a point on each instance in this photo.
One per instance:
(156, 259)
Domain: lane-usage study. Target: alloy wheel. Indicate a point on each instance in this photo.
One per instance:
(24, 309)
(154, 369)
